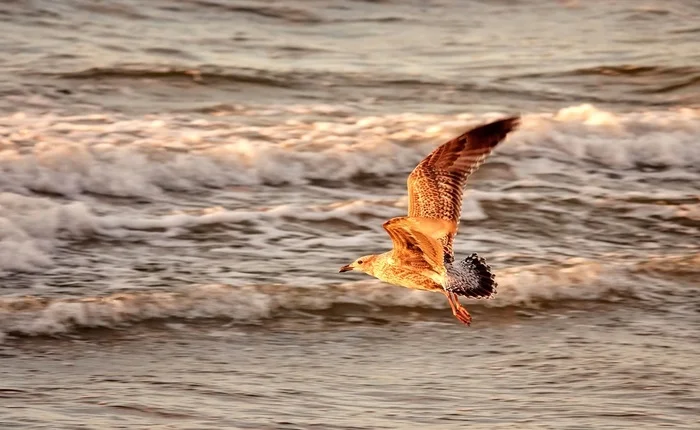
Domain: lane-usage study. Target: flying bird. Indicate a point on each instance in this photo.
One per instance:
(422, 257)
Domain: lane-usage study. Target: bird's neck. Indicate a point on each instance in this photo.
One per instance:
(379, 264)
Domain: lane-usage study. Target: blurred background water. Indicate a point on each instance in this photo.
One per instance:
(180, 181)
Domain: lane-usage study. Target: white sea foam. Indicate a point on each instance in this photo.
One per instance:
(122, 156)
(527, 286)
(32, 228)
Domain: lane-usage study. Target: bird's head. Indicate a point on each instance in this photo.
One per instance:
(363, 264)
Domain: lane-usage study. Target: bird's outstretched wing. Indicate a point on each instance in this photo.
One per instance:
(416, 243)
(436, 185)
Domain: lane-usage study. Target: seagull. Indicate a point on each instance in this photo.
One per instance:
(422, 257)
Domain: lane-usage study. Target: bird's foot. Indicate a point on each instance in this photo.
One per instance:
(463, 315)
(457, 309)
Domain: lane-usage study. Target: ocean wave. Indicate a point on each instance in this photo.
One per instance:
(202, 74)
(121, 156)
(31, 228)
(34, 229)
(634, 84)
(651, 79)
(528, 287)
(213, 74)
(284, 13)
(395, 86)
(635, 70)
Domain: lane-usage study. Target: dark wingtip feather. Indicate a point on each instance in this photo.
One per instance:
(494, 132)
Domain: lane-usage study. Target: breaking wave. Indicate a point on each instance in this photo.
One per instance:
(127, 157)
(33, 228)
(528, 287)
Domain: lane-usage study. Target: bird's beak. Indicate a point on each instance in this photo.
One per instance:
(345, 269)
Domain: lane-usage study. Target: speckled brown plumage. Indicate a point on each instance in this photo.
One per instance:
(415, 244)
(436, 185)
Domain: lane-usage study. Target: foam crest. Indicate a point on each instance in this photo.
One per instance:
(623, 141)
(525, 286)
(31, 228)
(122, 156)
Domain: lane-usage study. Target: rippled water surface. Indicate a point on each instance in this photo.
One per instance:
(181, 180)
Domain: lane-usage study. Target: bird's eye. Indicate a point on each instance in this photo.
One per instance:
(359, 261)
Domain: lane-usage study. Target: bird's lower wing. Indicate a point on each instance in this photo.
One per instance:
(416, 243)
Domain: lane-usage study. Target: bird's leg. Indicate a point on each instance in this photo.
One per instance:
(457, 309)
(449, 300)
(464, 314)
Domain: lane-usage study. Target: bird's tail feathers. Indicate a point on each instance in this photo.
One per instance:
(473, 278)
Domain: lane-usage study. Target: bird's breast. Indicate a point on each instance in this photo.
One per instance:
(409, 278)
